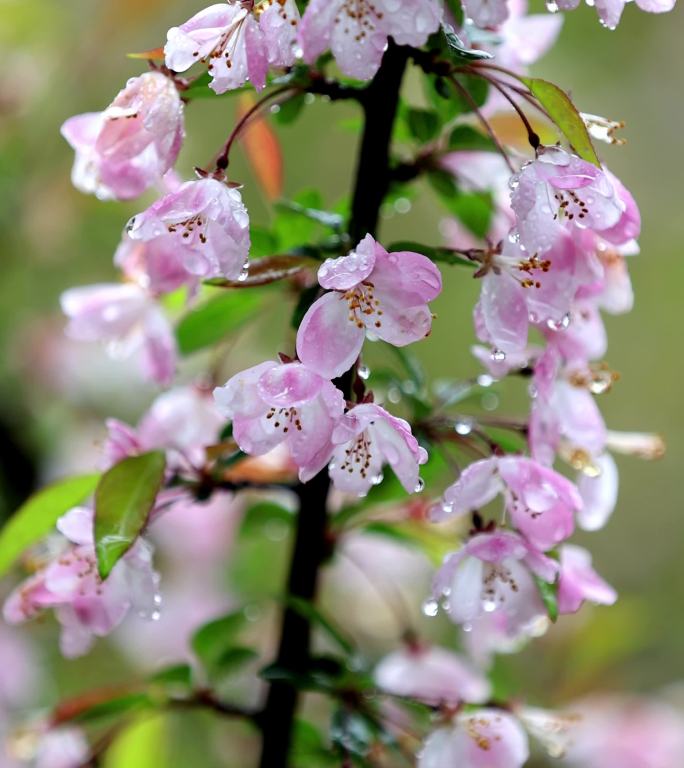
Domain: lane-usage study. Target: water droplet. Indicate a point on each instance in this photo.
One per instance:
(498, 355)
(463, 426)
(275, 108)
(490, 401)
(332, 465)
(485, 380)
(394, 394)
(533, 317)
(363, 371)
(446, 507)
(489, 606)
(410, 387)
(155, 616)
(244, 274)
(467, 627)
(551, 6)
(377, 479)
(430, 607)
(402, 205)
(419, 485)
(309, 98)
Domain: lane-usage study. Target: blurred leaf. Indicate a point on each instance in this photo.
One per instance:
(230, 661)
(262, 148)
(212, 639)
(315, 616)
(549, 596)
(423, 124)
(565, 115)
(443, 184)
(419, 535)
(269, 269)
(464, 137)
(334, 221)
(310, 749)
(113, 706)
(474, 210)
(215, 319)
(124, 498)
(352, 731)
(141, 745)
(154, 54)
(510, 441)
(291, 109)
(306, 299)
(177, 676)
(38, 515)
(411, 365)
(262, 242)
(477, 87)
(199, 89)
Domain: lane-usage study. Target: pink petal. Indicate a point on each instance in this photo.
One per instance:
(348, 271)
(327, 341)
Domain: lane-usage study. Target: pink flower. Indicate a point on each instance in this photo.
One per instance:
(493, 573)
(486, 13)
(372, 291)
(569, 420)
(63, 747)
(599, 492)
(357, 32)
(519, 289)
(610, 11)
(84, 605)
(182, 421)
(541, 503)
(157, 265)
(128, 319)
(208, 225)
(484, 738)
(579, 581)
(367, 438)
(126, 149)
(433, 675)
(272, 403)
(239, 40)
(627, 732)
(559, 190)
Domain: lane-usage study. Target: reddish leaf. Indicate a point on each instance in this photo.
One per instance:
(263, 150)
(154, 54)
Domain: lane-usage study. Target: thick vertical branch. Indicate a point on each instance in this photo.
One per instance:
(311, 546)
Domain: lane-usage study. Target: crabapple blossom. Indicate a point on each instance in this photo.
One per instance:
(599, 492)
(128, 319)
(560, 191)
(275, 403)
(431, 674)
(370, 291)
(628, 732)
(63, 747)
(206, 223)
(182, 421)
(366, 438)
(84, 605)
(610, 11)
(126, 149)
(578, 581)
(494, 573)
(541, 503)
(484, 738)
(239, 40)
(357, 31)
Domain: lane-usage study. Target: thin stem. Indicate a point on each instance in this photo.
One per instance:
(313, 543)
(532, 136)
(222, 158)
(492, 133)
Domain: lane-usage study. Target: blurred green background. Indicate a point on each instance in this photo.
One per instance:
(62, 57)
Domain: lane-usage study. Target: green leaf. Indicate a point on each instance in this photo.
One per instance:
(443, 183)
(290, 110)
(423, 124)
(466, 137)
(174, 677)
(565, 115)
(474, 210)
(37, 516)
(199, 89)
(124, 498)
(142, 744)
(215, 319)
(213, 639)
(309, 611)
(309, 748)
(549, 596)
(327, 218)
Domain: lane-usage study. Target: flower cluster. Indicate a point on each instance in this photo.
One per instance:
(553, 259)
